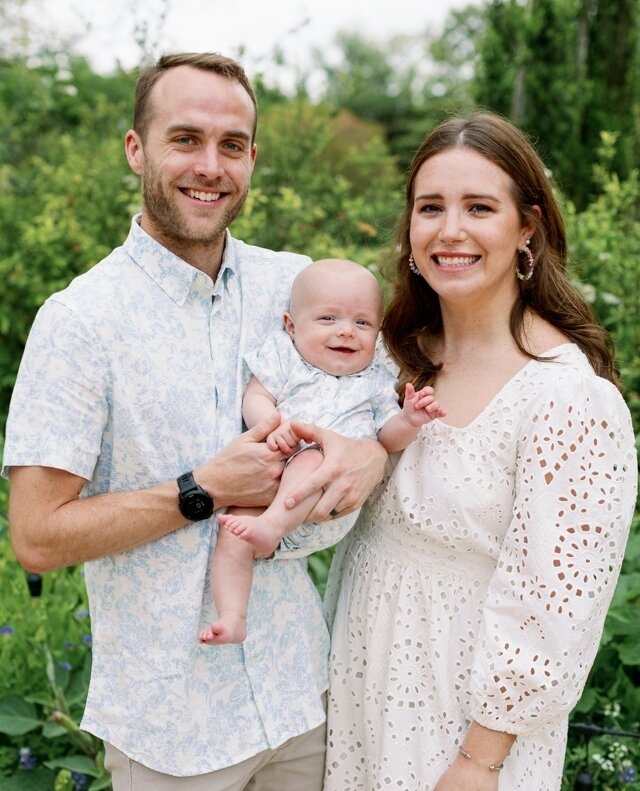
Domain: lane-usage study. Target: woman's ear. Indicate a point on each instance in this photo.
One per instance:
(528, 227)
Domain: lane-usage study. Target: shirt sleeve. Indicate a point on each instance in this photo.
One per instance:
(271, 364)
(314, 536)
(385, 398)
(59, 403)
(559, 563)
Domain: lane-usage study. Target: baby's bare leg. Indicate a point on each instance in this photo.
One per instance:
(265, 531)
(231, 577)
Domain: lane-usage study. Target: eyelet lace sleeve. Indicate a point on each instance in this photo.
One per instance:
(560, 560)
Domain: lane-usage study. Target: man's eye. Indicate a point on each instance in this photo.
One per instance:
(185, 141)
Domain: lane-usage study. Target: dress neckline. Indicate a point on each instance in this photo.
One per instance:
(506, 385)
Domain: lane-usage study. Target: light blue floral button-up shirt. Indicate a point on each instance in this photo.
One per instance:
(131, 376)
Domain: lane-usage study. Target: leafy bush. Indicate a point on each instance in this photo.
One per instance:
(326, 185)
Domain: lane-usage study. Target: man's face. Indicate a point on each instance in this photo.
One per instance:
(196, 159)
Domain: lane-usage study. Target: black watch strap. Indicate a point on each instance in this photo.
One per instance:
(187, 483)
(193, 501)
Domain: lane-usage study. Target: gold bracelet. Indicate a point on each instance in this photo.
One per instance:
(491, 767)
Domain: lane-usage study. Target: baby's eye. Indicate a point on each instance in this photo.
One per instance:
(363, 323)
(326, 318)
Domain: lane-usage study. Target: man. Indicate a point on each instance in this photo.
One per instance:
(124, 436)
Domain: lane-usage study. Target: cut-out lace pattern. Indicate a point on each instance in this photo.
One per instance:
(476, 582)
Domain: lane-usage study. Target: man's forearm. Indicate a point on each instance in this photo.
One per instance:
(51, 526)
(64, 529)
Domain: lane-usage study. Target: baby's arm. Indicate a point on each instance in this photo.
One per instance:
(419, 408)
(257, 404)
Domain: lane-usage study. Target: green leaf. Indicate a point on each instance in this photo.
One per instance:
(100, 783)
(587, 701)
(17, 716)
(51, 730)
(29, 780)
(629, 652)
(75, 763)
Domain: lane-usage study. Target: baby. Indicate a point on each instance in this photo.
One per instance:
(320, 370)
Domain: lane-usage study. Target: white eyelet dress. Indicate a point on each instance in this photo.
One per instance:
(476, 582)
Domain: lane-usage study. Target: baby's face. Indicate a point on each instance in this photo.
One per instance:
(336, 323)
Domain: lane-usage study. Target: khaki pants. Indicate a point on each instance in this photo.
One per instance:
(297, 765)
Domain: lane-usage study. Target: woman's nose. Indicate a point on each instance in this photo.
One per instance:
(451, 229)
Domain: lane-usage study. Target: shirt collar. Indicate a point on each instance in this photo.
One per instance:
(175, 276)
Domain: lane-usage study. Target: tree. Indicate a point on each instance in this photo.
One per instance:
(565, 70)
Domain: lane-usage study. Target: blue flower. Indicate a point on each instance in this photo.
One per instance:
(68, 645)
(27, 759)
(87, 639)
(628, 774)
(7, 630)
(66, 666)
(80, 781)
(81, 615)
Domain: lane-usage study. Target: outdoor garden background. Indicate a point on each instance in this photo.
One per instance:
(328, 182)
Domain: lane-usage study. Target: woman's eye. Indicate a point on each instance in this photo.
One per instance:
(480, 208)
(429, 208)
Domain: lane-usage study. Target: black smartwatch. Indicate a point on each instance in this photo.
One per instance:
(194, 503)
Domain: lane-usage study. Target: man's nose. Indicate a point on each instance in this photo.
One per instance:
(209, 163)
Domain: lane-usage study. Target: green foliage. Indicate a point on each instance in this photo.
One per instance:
(45, 663)
(325, 184)
(298, 201)
(605, 239)
(65, 190)
(565, 70)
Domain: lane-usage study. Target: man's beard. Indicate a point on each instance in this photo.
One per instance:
(171, 225)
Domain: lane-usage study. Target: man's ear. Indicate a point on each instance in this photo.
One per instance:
(134, 151)
(288, 324)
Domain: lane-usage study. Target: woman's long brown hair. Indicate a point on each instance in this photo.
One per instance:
(413, 316)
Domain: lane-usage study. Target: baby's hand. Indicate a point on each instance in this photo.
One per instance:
(420, 407)
(283, 439)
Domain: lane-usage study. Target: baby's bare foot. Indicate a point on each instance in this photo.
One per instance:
(255, 530)
(231, 627)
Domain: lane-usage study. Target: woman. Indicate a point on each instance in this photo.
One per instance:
(476, 582)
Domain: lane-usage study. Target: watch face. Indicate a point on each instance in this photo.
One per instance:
(197, 506)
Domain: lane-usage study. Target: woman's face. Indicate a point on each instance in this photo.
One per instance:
(465, 228)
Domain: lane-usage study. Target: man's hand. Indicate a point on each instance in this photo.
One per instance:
(245, 472)
(347, 476)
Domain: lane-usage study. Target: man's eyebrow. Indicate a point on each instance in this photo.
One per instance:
(191, 129)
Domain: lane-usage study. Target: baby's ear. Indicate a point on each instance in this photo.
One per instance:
(288, 324)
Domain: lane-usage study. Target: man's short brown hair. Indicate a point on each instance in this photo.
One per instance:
(207, 61)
